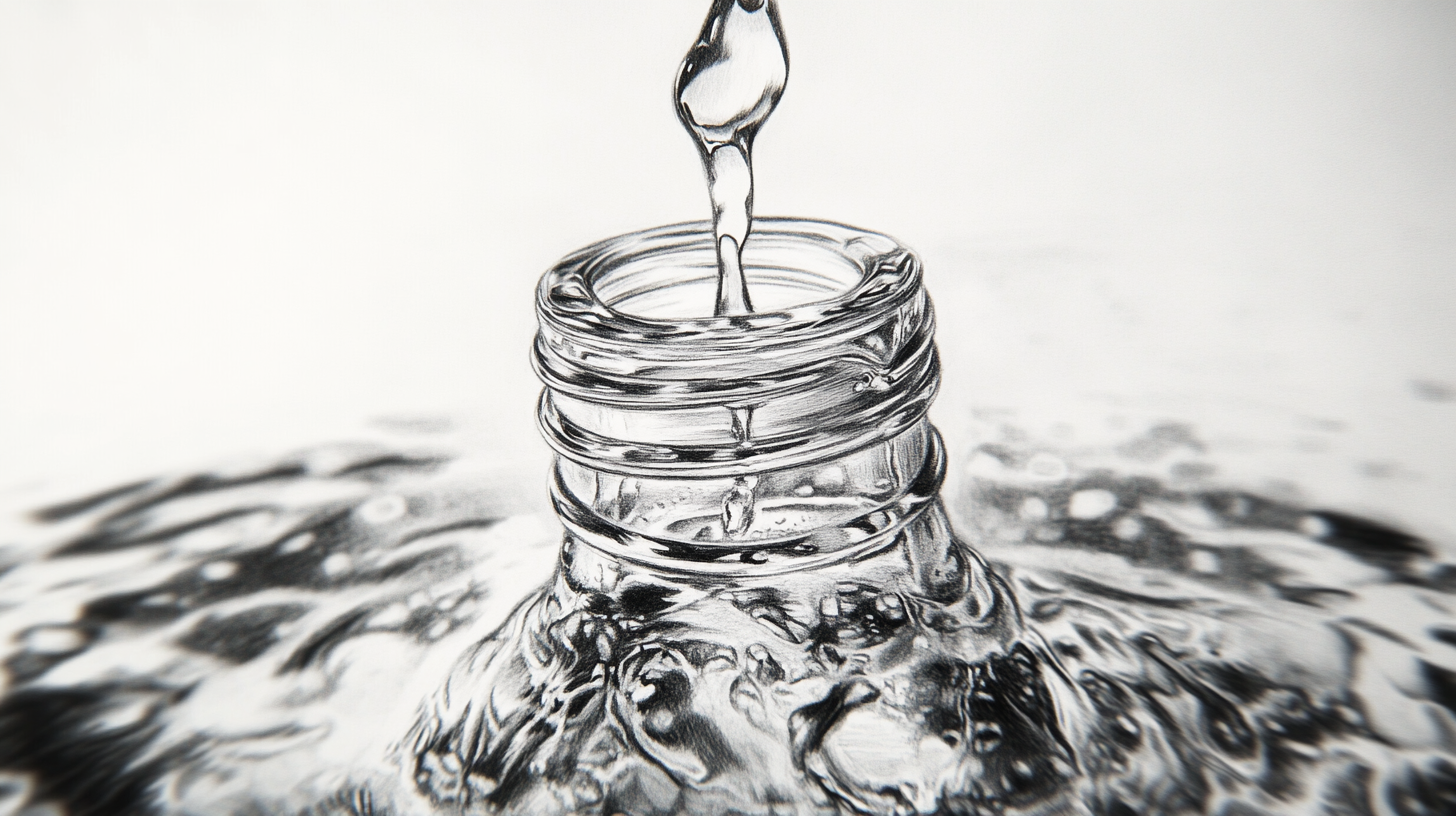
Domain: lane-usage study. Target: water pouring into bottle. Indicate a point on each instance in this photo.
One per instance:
(750, 599)
(761, 606)
(727, 86)
(759, 589)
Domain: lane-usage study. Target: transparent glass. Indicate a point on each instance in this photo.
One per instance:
(760, 605)
(748, 611)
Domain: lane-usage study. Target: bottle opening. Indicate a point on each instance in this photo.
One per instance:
(643, 379)
(783, 270)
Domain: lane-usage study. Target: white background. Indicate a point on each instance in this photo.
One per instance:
(243, 226)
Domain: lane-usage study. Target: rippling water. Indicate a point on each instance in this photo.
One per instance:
(269, 639)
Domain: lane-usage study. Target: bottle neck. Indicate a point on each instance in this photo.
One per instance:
(754, 444)
(760, 524)
(758, 588)
(841, 355)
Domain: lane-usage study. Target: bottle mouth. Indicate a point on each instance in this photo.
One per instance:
(642, 378)
(786, 268)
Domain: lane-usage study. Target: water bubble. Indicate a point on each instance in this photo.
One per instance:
(1205, 561)
(396, 614)
(1091, 504)
(1033, 508)
(336, 564)
(218, 570)
(1128, 528)
(890, 607)
(1315, 526)
(296, 543)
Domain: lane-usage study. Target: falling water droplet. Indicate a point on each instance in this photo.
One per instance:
(728, 84)
(738, 506)
(742, 428)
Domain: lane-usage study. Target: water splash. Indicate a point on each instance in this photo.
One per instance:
(1183, 650)
(760, 613)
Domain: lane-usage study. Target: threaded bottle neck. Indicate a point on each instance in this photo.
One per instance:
(640, 382)
(789, 437)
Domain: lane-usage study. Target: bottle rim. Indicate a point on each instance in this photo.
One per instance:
(633, 392)
(873, 272)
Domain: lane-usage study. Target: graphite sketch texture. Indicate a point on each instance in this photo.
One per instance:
(750, 599)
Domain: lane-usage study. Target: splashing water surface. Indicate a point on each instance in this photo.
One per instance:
(262, 639)
(758, 606)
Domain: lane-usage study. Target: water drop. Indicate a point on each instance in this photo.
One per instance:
(1033, 508)
(728, 84)
(336, 565)
(1091, 504)
(218, 570)
(296, 543)
(738, 506)
(742, 427)
(1205, 561)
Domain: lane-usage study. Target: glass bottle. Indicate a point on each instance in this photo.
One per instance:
(760, 606)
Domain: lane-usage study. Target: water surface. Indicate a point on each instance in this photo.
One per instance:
(261, 638)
